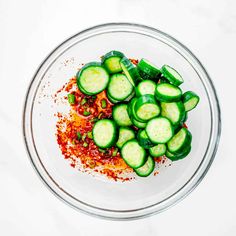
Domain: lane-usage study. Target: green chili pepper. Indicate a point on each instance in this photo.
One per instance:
(86, 113)
(90, 135)
(78, 135)
(85, 144)
(95, 119)
(114, 153)
(84, 100)
(104, 103)
(84, 136)
(102, 150)
(100, 115)
(71, 98)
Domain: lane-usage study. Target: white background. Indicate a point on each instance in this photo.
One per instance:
(29, 30)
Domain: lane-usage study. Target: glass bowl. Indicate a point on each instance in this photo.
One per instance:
(100, 196)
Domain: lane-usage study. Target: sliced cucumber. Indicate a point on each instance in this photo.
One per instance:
(138, 124)
(111, 99)
(130, 70)
(179, 126)
(145, 87)
(130, 97)
(120, 115)
(82, 90)
(104, 133)
(111, 61)
(174, 111)
(159, 130)
(185, 118)
(167, 92)
(133, 154)
(131, 110)
(92, 78)
(146, 169)
(143, 139)
(179, 141)
(158, 150)
(125, 134)
(172, 75)
(130, 106)
(119, 87)
(162, 79)
(146, 108)
(176, 157)
(190, 100)
(147, 70)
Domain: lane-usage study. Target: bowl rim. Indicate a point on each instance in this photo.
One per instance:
(170, 200)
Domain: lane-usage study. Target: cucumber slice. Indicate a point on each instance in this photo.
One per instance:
(130, 107)
(111, 61)
(158, 150)
(138, 124)
(146, 169)
(172, 75)
(131, 110)
(130, 70)
(119, 87)
(179, 141)
(120, 115)
(164, 80)
(179, 126)
(114, 101)
(190, 100)
(145, 87)
(159, 130)
(147, 70)
(133, 116)
(143, 139)
(133, 154)
(146, 108)
(125, 134)
(82, 90)
(104, 133)
(176, 157)
(185, 118)
(174, 111)
(130, 97)
(92, 78)
(167, 92)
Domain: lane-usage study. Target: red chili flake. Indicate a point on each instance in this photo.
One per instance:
(136, 128)
(134, 61)
(158, 159)
(73, 165)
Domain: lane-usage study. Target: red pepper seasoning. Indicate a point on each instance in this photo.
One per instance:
(134, 61)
